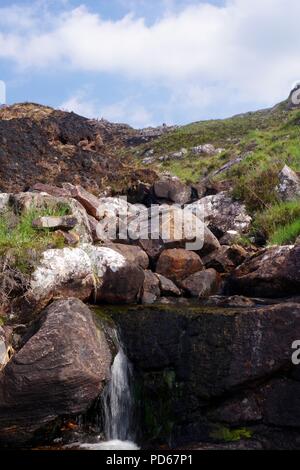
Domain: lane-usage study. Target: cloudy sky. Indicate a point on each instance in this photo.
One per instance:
(145, 62)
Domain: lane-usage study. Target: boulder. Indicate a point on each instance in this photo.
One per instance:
(153, 248)
(177, 264)
(202, 284)
(172, 189)
(50, 190)
(229, 302)
(167, 287)
(6, 350)
(66, 222)
(288, 188)
(207, 149)
(273, 273)
(221, 213)
(60, 370)
(132, 253)
(151, 290)
(69, 238)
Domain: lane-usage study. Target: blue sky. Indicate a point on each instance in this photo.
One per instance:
(145, 62)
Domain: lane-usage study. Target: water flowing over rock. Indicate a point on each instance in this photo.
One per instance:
(60, 370)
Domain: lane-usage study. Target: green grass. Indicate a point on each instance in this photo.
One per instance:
(276, 216)
(286, 234)
(22, 238)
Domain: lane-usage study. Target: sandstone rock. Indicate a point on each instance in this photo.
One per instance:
(153, 248)
(123, 286)
(202, 284)
(172, 189)
(93, 228)
(221, 213)
(273, 273)
(86, 199)
(60, 370)
(167, 287)
(289, 184)
(177, 264)
(151, 290)
(66, 222)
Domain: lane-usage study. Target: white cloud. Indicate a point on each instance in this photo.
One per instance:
(248, 50)
(126, 111)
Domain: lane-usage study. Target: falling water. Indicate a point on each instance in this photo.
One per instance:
(117, 400)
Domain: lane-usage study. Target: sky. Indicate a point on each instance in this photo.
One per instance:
(148, 62)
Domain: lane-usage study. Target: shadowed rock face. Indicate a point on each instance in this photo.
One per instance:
(202, 367)
(60, 370)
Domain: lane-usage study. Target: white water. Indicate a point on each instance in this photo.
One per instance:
(117, 401)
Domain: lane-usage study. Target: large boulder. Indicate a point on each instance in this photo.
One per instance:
(81, 272)
(202, 284)
(60, 370)
(226, 259)
(172, 189)
(288, 188)
(273, 273)
(222, 214)
(86, 199)
(177, 264)
(132, 254)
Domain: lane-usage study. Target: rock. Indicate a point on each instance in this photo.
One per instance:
(171, 227)
(226, 259)
(151, 290)
(205, 359)
(207, 149)
(66, 222)
(113, 215)
(132, 253)
(172, 189)
(70, 238)
(202, 284)
(60, 370)
(273, 273)
(282, 403)
(229, 302)
(125, 286)
(289, 184)
(86, 199)
(177, 264)
(167, 287)
(4, 202)
(93, 228)
(51, 190)
(221, 213)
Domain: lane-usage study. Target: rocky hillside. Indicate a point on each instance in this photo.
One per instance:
(207, 304)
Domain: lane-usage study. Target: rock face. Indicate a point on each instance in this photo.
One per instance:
(212, 368)
(289, 184)
(273, 273)
(177, 264)
(221, 213)
(172, 189)
(60, 370)
(202, 284)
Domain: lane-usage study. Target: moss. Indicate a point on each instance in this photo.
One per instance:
(230, 435)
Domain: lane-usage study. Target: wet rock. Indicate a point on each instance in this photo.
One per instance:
(66, 222)
(151, 290)
(60, 370)
(288, 188)
(177, 264)
(172, 189)
(202, 284)
(221, 213)
(167, 286)
(273, 273)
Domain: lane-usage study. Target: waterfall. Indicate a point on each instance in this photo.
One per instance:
(118, 400)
